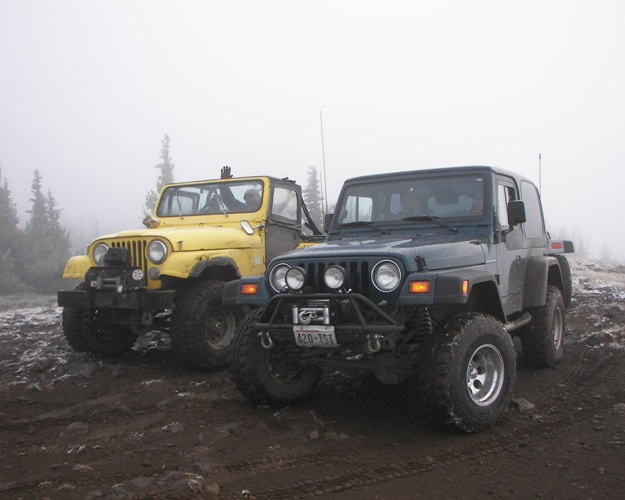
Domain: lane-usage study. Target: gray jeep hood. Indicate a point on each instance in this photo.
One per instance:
(439, 250)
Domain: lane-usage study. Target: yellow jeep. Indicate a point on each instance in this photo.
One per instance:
(170, 276)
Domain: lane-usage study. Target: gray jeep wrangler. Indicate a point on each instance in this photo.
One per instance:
(425, 275)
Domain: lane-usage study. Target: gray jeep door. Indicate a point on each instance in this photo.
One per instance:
(511, 256)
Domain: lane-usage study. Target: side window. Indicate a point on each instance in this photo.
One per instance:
(534, 225)
(284, 203)
(357, 209)
(505, 193)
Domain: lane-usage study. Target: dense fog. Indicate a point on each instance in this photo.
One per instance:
(88, 89)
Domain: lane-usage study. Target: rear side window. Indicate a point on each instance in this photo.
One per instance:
(534, 226)
(284, 204)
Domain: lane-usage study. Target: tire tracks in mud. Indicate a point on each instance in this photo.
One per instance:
(105, 422)
(125, 419)
(357, 467)
(305, 474)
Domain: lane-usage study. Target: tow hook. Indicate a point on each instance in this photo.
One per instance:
(265, 340)
(373, 342)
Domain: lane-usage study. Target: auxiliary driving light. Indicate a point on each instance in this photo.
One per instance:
(295, 278)
(335, 277)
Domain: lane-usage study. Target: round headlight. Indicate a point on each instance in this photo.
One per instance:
(99, 252)
(278, 277)
(386, 276)
(157, 252)
(335, 277)
(295, 278)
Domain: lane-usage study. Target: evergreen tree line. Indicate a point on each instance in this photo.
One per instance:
(32, 258)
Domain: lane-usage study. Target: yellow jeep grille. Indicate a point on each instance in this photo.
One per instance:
(136, 248)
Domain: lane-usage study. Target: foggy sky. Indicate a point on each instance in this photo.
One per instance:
(89, 88)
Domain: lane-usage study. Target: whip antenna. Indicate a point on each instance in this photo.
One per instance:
(323, 153)
(540, 174)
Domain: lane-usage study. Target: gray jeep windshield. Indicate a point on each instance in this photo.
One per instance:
(210, 198)
(413, 200)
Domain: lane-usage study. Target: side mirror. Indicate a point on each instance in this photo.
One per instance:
(247, 227)
(150, 222)
(516, 212)
(327, 220)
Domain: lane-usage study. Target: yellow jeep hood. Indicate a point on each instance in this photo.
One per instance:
(185, 239)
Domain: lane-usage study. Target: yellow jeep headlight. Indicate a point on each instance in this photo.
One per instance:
(99, 252)
(157, 252)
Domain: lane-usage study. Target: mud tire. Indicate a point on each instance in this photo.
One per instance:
(100, 336)
(472, 373)
(269, 376)
(542, 342)
(203, 328)
(567, 280)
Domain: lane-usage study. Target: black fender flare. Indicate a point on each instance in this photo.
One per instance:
(481, 295)
(225, 268)
(539, 273)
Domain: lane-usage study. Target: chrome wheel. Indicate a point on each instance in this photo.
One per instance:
(557, 329)
(485, 375)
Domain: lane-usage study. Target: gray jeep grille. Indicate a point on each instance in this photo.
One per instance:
(358, 274)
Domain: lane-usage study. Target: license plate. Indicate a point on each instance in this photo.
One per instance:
(314, 336)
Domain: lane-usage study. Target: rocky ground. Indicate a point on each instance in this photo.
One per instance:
(143, 426)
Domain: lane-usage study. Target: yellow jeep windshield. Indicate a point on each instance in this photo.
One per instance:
(211, 198)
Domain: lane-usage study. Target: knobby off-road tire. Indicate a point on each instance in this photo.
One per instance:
(542, 341)
(472, 373)
(271, 376)
(101, 335)
(202, 327)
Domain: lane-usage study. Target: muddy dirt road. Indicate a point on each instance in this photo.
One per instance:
(143, 426)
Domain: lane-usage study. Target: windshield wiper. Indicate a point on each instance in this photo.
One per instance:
(429, 218)
(179, 204)
(362, 223)
(224, 209)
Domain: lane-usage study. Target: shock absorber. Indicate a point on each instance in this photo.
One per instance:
(419, 325)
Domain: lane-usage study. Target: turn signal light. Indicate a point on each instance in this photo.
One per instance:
(465, 287)
(419, 287)
(249, 289)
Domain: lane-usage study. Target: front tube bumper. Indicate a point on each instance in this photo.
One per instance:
(273, 317)
(135, 300)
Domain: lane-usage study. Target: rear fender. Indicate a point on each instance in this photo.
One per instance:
(541, 271)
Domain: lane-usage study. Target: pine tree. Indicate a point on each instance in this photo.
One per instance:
(47, 245)
(11, 240)
(312, 196)
(62, 245)
(38, 212)
(166, 176)
(8, 216)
